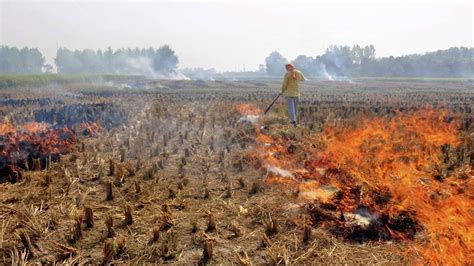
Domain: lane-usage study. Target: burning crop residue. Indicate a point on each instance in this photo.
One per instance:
(34, 146)
(402, 178)
(249, 113)
(410, 172)
(247, 109)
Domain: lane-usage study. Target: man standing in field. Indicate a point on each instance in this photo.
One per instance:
(290, 89)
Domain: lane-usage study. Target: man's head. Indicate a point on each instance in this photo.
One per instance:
(289, 67)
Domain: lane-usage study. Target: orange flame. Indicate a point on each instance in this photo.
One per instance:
(6, 128)
(33, 140)
(34, 127)
(401, 156)
(28, 127)
(247, 109)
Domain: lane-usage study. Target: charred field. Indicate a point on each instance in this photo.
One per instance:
(191, 172)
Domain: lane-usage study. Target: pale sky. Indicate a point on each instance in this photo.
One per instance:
(228, 35)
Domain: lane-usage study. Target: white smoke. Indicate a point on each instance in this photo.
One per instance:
(322, 71)
(334, 64)
(200, 73)
(144, 66)
(253, 119)
(280, 172)
(141, 65)
(177, 75)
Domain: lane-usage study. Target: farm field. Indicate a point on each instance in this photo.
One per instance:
(192, 172)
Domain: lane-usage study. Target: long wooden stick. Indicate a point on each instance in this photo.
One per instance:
(270, 106)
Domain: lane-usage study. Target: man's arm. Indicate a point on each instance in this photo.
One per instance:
(302, 77)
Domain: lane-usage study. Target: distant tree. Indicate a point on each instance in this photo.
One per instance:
(366, 61)
(91, 61)
(369, 52)
(119, 61)
(20, 61)
(10, 61)
(108, 58)
(68, 61)
(136, 52)
(453, 62)
(338, 60)
(346, 61)
(165, 60)
(306, 64)
(275, 64)
(32, 60)
(150, 52)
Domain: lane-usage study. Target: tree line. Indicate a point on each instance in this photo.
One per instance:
(21, 61)
(121, 61)
(339, 62)
(145, 61)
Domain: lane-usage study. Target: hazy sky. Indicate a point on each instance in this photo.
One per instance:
(228, 36)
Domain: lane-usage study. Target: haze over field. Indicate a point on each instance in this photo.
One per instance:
(231, 36)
